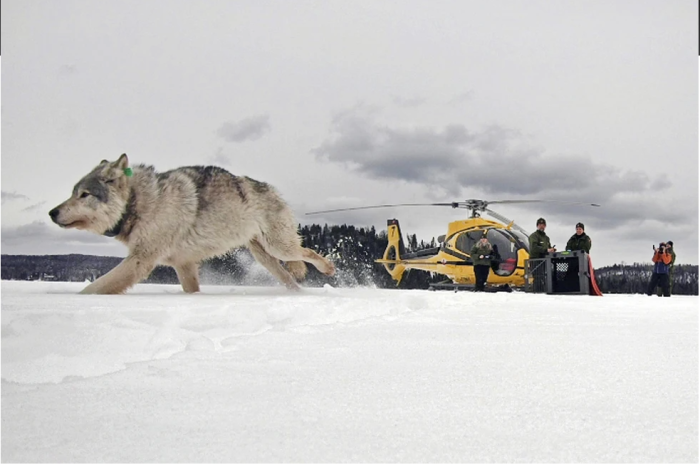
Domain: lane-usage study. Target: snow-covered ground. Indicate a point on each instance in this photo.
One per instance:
(245, 374)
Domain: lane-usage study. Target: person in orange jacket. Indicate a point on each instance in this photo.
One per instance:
(662, 260)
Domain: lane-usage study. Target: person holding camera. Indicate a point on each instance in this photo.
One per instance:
(661, 259)
(481, 253)
(669, 248)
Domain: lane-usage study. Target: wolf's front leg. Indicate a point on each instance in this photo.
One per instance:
(129, 272)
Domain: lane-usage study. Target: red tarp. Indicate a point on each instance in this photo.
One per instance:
(593, 288)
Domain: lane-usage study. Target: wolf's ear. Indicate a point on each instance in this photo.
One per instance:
(123, 162)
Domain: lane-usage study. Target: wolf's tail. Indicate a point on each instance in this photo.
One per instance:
(297, 269)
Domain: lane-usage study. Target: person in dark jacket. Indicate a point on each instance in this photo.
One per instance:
(539, 241)
(580, 240)
(495, 258)
(661, 259)
(669, 248)
(481, 257)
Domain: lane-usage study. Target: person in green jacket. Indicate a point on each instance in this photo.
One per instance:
(481, 257)
(669, 248)
(580, 240)
(539, 241)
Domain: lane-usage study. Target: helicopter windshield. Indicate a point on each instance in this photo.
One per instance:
(466, 240)
(507, 249)
(525, 241)
(506, 245)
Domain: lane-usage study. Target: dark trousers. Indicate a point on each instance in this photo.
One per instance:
(661, 280)
(482, 274)
(670, 283)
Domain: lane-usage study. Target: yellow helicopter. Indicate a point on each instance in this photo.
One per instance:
(452, 257)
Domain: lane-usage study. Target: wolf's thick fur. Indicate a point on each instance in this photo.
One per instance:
(182, 217)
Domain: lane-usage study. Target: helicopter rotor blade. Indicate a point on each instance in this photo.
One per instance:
(506, 220)
(469, 204)
(448, 204)
(539, 201)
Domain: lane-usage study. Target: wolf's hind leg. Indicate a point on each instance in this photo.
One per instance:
(188, 274)
(272, 264)
(284, 244)
(291, 253)
(297, 268)
(123, 276)
(323, 265)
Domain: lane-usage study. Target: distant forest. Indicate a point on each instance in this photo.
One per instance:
(353, 250)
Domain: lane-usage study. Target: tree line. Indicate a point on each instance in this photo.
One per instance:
(353, 250)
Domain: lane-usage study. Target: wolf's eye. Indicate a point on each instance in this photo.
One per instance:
(84, 194)
(110, 181)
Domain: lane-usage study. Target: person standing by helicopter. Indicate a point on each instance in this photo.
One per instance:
(481, 257)
(539, 241)
(580, 240)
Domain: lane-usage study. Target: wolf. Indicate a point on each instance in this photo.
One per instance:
(181, 217)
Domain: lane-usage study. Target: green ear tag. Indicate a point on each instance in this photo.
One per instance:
(128, 172)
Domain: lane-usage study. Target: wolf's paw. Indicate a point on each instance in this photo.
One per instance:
(93, 289)
(329, 269)
(88, 290)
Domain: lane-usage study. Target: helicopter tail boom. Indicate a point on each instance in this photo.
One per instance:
(395, 249)
(392, 226)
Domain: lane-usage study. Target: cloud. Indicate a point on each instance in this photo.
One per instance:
(461, 98)
(12, 196)
(39, 230)
(67, 69)
(246, 129)
(219, 158)
(408, 102)
(41, 237)
(661, 182)
(34, 207)
(495, 160)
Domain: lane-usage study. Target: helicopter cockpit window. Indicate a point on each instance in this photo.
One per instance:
(507, 249)
(466, 240)
(522, 238)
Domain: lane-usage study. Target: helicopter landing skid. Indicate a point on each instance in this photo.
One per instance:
(446, 286)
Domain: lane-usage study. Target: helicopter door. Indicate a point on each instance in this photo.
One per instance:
(466, 240)
(507, 249)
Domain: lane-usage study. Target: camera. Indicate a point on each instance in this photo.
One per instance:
(662, 245)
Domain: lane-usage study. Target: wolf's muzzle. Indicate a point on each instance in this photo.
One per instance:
(54, 214)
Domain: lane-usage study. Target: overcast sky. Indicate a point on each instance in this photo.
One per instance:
(351, 103)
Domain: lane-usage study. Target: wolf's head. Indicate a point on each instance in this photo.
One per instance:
(98, 200)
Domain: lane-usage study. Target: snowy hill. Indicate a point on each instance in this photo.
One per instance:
(245, 374)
